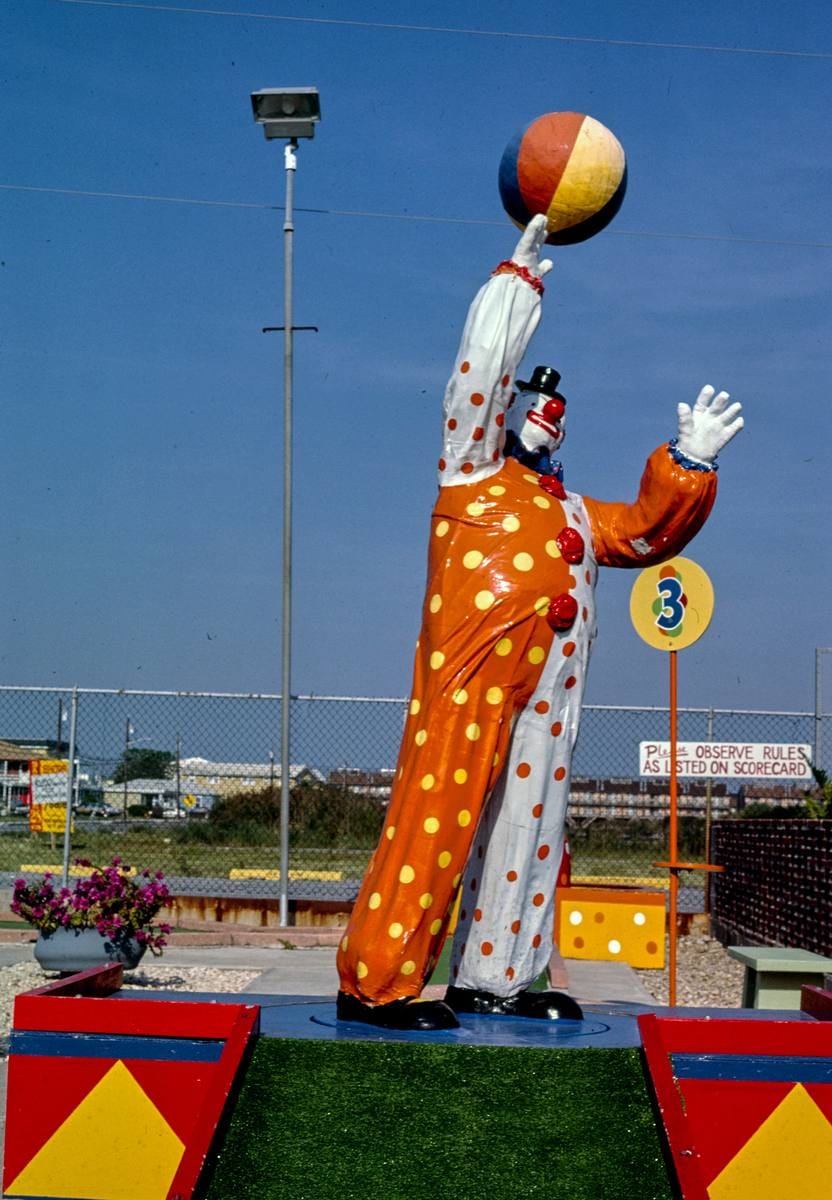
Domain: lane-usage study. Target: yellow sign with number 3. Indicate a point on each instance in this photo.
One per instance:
(671, 605)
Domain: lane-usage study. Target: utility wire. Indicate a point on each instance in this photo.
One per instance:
(493, 33)
(392, 216)
(56, 191)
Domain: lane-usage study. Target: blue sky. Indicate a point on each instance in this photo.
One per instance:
(142, 405)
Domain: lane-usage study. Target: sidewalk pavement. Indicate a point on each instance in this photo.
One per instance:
(311, 971)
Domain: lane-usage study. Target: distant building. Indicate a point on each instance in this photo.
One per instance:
(377, 784)
(14, 774)
(148, 792)
(228, 778)
(15, 756)
(158, 796)
(40, 747)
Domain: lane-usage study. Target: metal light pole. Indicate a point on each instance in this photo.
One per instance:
(178, 775)
(290, 164)
(72, 768)
(289, 113)
(819, 652)
(61, 719)
(128, 729)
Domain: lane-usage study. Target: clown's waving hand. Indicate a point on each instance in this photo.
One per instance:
(479, 800)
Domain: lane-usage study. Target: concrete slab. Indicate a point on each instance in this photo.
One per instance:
(298, 973)
(602, 981)
(245, 958)
(18, 952)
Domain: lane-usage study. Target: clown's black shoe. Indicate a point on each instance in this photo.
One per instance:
(549, 1006)
(412, 1014)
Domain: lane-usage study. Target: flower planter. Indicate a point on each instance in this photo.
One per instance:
(71, 950)
(115, 898)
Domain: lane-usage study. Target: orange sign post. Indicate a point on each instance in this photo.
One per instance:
(671, 607)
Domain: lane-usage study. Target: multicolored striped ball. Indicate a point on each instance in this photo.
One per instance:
(568, 166)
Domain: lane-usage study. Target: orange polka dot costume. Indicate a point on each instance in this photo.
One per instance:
(482, 783)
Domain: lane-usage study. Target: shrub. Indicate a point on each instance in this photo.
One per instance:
(319, 815)
(819, 801)
(760, 810)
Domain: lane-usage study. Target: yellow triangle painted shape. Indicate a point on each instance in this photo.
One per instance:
(789, 1155)
(115, 1145)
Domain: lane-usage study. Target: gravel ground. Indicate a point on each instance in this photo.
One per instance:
(22, 977)
(705, 975)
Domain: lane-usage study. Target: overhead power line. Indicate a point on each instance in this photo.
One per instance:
(392, 216)
(492, 33)
(57, 191)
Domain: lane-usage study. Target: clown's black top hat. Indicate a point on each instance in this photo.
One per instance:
(544, 379)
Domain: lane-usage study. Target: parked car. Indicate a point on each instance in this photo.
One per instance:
(91, 806)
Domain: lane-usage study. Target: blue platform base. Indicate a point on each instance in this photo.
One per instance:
(605, 1026)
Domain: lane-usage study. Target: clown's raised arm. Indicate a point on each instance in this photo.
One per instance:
(500, 324)
(676, 493)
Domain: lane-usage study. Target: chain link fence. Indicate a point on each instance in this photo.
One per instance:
(189, 783)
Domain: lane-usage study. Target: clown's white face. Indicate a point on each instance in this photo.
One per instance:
(539, 421)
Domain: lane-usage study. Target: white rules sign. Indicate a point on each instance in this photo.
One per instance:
(732, 760)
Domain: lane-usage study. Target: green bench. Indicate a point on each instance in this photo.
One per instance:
(774, 975)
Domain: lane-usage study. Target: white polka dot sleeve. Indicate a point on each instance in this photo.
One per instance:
(500, 324)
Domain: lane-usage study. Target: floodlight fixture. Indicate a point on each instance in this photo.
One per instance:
(287, 112)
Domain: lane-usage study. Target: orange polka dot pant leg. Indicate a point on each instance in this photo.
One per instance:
(484, 640)
(504, 935)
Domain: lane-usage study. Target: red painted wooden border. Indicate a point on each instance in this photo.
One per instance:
(673, 1117)
(816, 1001)
(58, 1007)
(663, 1036)
(95, 981)
(204, 1135)
(727, 1035)
(82, 1014)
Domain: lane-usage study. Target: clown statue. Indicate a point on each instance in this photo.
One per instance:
(480, 793)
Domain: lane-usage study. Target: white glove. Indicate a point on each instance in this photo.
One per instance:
(527, 253)
(708, 426)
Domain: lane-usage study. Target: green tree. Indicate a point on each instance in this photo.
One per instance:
(143, 763)
(819, 801)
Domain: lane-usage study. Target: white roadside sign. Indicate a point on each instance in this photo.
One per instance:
(732, 760)
(49, 789)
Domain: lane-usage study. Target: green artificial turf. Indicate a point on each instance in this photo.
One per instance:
(394, 1121)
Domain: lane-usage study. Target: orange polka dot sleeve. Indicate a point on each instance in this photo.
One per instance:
(500, 324)
(672, 506)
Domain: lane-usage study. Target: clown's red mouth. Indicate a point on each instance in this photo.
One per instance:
(536, 419)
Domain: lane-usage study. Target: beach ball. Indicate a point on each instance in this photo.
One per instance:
(568, 166)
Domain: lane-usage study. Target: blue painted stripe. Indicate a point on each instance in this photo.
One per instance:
(509, 183)
(747, 1068)
(97, 1045)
